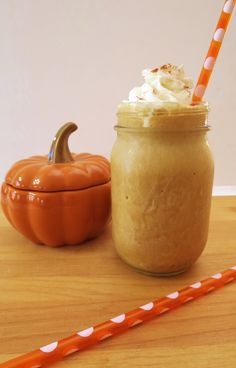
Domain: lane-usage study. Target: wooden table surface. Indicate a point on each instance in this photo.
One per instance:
(46, 294)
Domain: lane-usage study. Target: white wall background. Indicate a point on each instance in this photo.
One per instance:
(74, 60)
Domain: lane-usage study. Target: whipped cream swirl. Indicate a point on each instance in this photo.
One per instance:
(165, 84)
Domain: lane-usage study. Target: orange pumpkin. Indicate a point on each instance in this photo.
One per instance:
(60, 199)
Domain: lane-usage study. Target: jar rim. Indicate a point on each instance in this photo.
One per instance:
(166, 108)
(167, 117)
(120, 128)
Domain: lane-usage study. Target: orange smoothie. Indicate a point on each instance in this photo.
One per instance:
(162, 176)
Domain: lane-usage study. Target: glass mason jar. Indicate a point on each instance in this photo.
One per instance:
(162, 176)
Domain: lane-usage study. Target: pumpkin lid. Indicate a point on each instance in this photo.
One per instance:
(60, 170)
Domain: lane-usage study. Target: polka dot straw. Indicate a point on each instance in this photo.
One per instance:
(213, 50)
(57, 350)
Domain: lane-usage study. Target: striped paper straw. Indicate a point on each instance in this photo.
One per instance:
(213, 51)
(57, 350)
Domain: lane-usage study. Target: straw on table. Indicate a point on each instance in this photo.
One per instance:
(57, 350)
(213, 51)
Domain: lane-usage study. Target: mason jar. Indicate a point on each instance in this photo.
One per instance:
(162, 175)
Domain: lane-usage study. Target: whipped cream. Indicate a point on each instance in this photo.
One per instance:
(165, 84)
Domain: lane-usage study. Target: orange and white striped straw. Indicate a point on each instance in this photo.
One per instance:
(81, 340)
(213, 51)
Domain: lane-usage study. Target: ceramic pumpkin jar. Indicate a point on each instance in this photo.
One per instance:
(61, 198)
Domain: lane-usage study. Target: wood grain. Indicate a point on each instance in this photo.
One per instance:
(46, 294)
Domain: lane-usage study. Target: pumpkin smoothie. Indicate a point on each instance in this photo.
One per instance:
(162, 175)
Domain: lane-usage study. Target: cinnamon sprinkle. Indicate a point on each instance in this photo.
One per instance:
(155, 70)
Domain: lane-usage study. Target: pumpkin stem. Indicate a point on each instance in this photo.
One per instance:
(59, 151)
